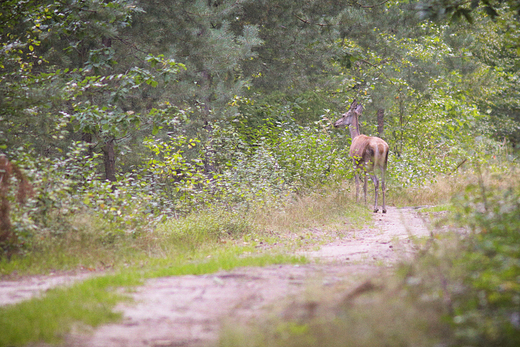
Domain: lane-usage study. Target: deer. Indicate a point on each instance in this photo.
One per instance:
(367, 152)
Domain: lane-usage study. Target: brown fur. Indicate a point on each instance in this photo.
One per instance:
(368, 152)
(24, 189)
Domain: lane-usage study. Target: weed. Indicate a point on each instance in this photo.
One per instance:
(203, 242)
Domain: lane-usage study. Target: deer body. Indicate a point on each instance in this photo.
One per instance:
(368, 153)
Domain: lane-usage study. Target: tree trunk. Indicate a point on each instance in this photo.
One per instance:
(5, 222)
(86, 137)
(109, 156)
(109, 159)
(401, 123)
(381, 122)
(209, 157)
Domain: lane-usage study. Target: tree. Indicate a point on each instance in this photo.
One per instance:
(455, 10)
(494, 28)
(207, 37)
(61, 68)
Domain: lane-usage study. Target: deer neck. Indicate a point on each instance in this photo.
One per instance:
(354, 128)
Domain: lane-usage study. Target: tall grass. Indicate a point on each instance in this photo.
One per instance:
(92, 244)
(329, 208)
(441, 189)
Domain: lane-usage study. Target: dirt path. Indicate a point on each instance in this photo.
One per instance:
(189, 310)
(14, 291)
(389, 240)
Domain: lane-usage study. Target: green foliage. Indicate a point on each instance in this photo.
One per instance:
(265, 170)
(107, 115)
(32, 36)
(485, 311)
(311, 156)
(437, 138)
(247, 121)
(455, 10)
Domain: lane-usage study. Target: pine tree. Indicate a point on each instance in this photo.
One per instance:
(205, 37)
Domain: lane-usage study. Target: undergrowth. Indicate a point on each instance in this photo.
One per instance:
(462, 289)
(203, 242)
(93, 244)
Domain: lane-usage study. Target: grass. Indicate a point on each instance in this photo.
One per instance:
(437, 192)
(203, 242)
(328, 209)
(460, 290)
(50, 318)
(91, 243)
(443, 188)
(47, 319)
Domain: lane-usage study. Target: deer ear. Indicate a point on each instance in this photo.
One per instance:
(359, 109)
(353, 105)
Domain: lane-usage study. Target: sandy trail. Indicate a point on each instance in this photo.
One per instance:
(189, 310)
(389, 240)
(14, 291)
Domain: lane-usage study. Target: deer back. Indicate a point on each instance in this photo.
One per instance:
(368, 151)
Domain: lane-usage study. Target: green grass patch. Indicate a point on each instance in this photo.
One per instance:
(225, 262)
(48, 318)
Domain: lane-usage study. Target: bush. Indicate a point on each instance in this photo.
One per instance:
(487, 311)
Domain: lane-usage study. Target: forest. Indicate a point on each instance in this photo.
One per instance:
(136, 134)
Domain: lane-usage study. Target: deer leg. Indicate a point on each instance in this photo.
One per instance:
(365, 187)
(376, 185)
(383, 187)
(356, 176)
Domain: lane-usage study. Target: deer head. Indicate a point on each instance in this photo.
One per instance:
(347, 119)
